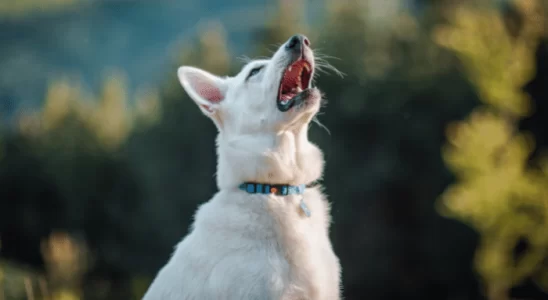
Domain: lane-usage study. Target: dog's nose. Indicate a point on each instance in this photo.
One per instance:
(296, 42)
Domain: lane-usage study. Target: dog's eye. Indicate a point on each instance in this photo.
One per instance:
(254, 72)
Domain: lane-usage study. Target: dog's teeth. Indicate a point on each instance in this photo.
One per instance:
(290, 67)
(307, 67)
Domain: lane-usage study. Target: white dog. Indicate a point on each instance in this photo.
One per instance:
(264, 235)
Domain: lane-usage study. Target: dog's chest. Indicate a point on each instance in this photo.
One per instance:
(306, 246)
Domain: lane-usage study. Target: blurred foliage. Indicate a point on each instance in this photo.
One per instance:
(497, 192)
(211, 50)
(65, 265)
(21, 8)
(486, 49)
(66, 261)
(77, 133)
(287, 18)
(70, 115)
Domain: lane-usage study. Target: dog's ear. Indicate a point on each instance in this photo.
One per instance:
(206, 89)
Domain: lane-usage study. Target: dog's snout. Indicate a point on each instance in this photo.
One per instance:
(296, 43)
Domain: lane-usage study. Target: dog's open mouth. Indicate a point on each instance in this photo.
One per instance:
(295, 80)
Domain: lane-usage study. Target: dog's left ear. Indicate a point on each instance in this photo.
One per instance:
(206, 89)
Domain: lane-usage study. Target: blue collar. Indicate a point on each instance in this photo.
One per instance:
(276, 189)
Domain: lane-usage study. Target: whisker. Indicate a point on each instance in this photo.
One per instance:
(244, 59)
(317, 121)
(272, 48)
(323, 66)
(325, 56)
(320, 54)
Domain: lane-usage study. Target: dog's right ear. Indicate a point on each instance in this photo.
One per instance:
(206, 89)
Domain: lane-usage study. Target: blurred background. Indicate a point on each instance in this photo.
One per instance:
(436, 143)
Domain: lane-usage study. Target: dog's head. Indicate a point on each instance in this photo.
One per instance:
(267, 96)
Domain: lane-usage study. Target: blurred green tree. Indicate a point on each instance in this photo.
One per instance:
(497, 193)
(19, 8)
(73, 119)
(286, 20)
(77, 144)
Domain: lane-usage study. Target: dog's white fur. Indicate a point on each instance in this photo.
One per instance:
(255, 246)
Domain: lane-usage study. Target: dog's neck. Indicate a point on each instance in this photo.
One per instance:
(286, 157)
